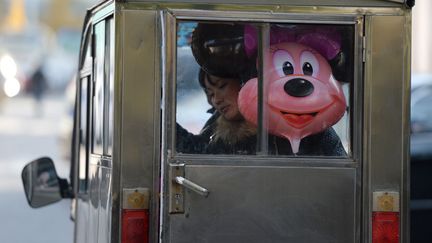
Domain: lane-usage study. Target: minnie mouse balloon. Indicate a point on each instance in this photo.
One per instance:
(303, 96)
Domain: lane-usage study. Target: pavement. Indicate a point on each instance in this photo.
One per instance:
(28, 131)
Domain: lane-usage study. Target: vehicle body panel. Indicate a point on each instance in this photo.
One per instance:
(257, 204)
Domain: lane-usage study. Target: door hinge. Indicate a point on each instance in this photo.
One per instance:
(364, 52)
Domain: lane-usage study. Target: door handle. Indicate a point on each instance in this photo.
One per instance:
(177, 186)
(191, 186)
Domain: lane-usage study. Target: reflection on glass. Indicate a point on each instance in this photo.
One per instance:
(41, 183)
(83, 135)
(98, 108)
(278, 89)
(110, 40)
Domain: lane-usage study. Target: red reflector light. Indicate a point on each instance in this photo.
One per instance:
(385, 227)
(135, 226)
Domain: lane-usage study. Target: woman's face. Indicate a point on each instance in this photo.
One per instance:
(223, 93)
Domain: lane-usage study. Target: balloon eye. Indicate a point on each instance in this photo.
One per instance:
(307, 69)
(287, 68)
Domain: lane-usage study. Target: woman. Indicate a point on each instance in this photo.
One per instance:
(226, 132)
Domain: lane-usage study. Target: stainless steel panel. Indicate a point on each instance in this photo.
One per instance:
(271, 204)
(117, 118)
(268, 9)
(359, 3)
(94, 196)
(82, 220)
(386, 109)
(138, 98)
(309, 15)
(105, 209)
(138, 109)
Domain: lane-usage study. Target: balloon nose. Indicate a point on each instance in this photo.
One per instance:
(298, 87)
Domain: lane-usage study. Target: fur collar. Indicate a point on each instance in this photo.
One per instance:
(232, 132)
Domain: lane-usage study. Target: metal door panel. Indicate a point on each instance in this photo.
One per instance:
(268, 204)
(386, 111)
(82, 220)
(104, 226)
(94, 184)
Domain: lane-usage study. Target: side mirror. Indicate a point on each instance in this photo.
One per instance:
(42, 186)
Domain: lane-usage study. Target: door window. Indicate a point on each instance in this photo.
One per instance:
(84, 108)
(99, 77)
(267, 89)
(103, 90)
(84, 116)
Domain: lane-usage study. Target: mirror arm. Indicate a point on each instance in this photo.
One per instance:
(65, 188)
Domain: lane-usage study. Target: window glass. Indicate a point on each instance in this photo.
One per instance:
(210, 65)
(83, 135)
(270, 89)
(110, 85)
(98, 104)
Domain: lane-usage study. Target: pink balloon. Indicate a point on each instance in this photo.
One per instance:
(303, 97)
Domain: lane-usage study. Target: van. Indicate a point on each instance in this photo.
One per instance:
(319, 152)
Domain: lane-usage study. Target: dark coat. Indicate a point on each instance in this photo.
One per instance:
(222, 137)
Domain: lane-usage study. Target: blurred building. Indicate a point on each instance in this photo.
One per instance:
(64, 14)
(422, 37)
(54, 13)
(43, 33)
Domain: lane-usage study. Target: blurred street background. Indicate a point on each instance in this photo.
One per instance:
(24, 137)
(39, 44)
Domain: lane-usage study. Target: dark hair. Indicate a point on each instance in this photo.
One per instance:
(242, 78)
(201, 77)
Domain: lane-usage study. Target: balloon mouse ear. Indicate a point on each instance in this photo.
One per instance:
(278, 34)
(219, 49)
(326, 41)
(339, 67)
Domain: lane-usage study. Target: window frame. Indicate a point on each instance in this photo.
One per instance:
(98, 88)
(84, 73)
(83, 140)
(169, 88)
(106, 113)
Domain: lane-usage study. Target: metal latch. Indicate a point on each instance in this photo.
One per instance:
(364, 51)
(178, 184)
(176, 191)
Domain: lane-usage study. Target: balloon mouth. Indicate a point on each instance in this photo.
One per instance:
(298, 120)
